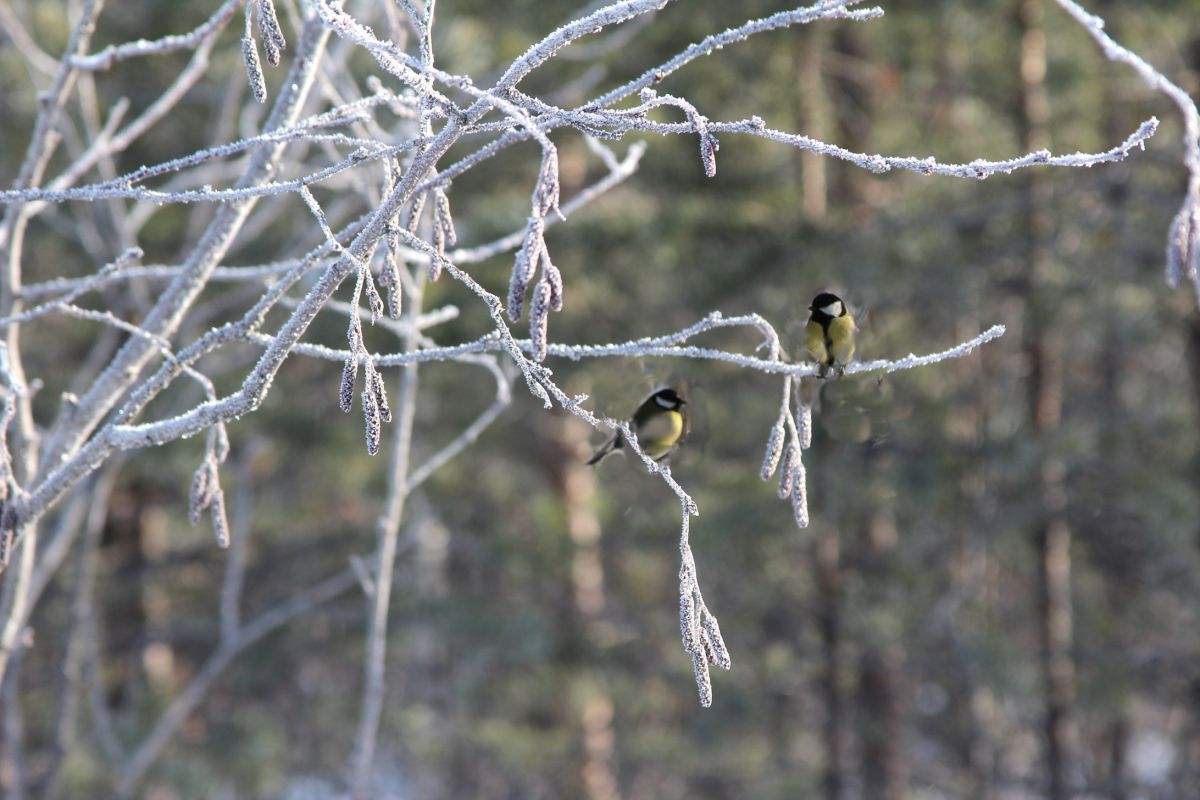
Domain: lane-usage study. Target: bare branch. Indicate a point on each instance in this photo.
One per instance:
(134, 769)
(377, 154)
(141, 48)
(1183, 239)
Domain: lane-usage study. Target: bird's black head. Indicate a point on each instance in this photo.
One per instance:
(669, 399)
(827, 305)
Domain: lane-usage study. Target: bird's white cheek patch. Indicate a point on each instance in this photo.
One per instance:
(832, 310)
(664, 402)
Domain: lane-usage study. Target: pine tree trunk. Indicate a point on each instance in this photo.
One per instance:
(1118, 759)
(881, 684)
(829, 620)
(814, 120)
(853, 86)
(885, 766)
(576, 483)
(1052, 536)
(973, 570)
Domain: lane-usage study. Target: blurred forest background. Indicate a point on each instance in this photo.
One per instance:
(998, 595)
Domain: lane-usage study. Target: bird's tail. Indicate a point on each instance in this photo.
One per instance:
(615, 443)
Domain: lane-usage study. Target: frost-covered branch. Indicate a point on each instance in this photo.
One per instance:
(366, 168)
(1183, 238)
(142, 48)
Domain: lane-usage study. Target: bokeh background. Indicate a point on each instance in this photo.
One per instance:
(1030, 511)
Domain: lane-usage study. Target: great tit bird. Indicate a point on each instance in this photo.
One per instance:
(659, 423)
(829, 334)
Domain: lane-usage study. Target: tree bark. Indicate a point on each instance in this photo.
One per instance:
(829, 620)
(881, 692)
(1052, 536)
(853, 87)
(885, 765)
(1118, 758)
(814, 120)
(973, 572)
(576, 484)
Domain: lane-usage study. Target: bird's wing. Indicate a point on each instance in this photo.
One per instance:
(615, 442)
(814, 342)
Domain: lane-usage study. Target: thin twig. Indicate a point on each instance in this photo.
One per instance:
(134, 769)
(1183, 240)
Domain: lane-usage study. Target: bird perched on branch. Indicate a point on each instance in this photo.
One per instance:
(660, 423)
(829, 334)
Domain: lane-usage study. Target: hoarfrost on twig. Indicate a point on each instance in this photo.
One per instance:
(410, 213)
(254, 73)
(774, 451)
(1183, 238)
(268, 24)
